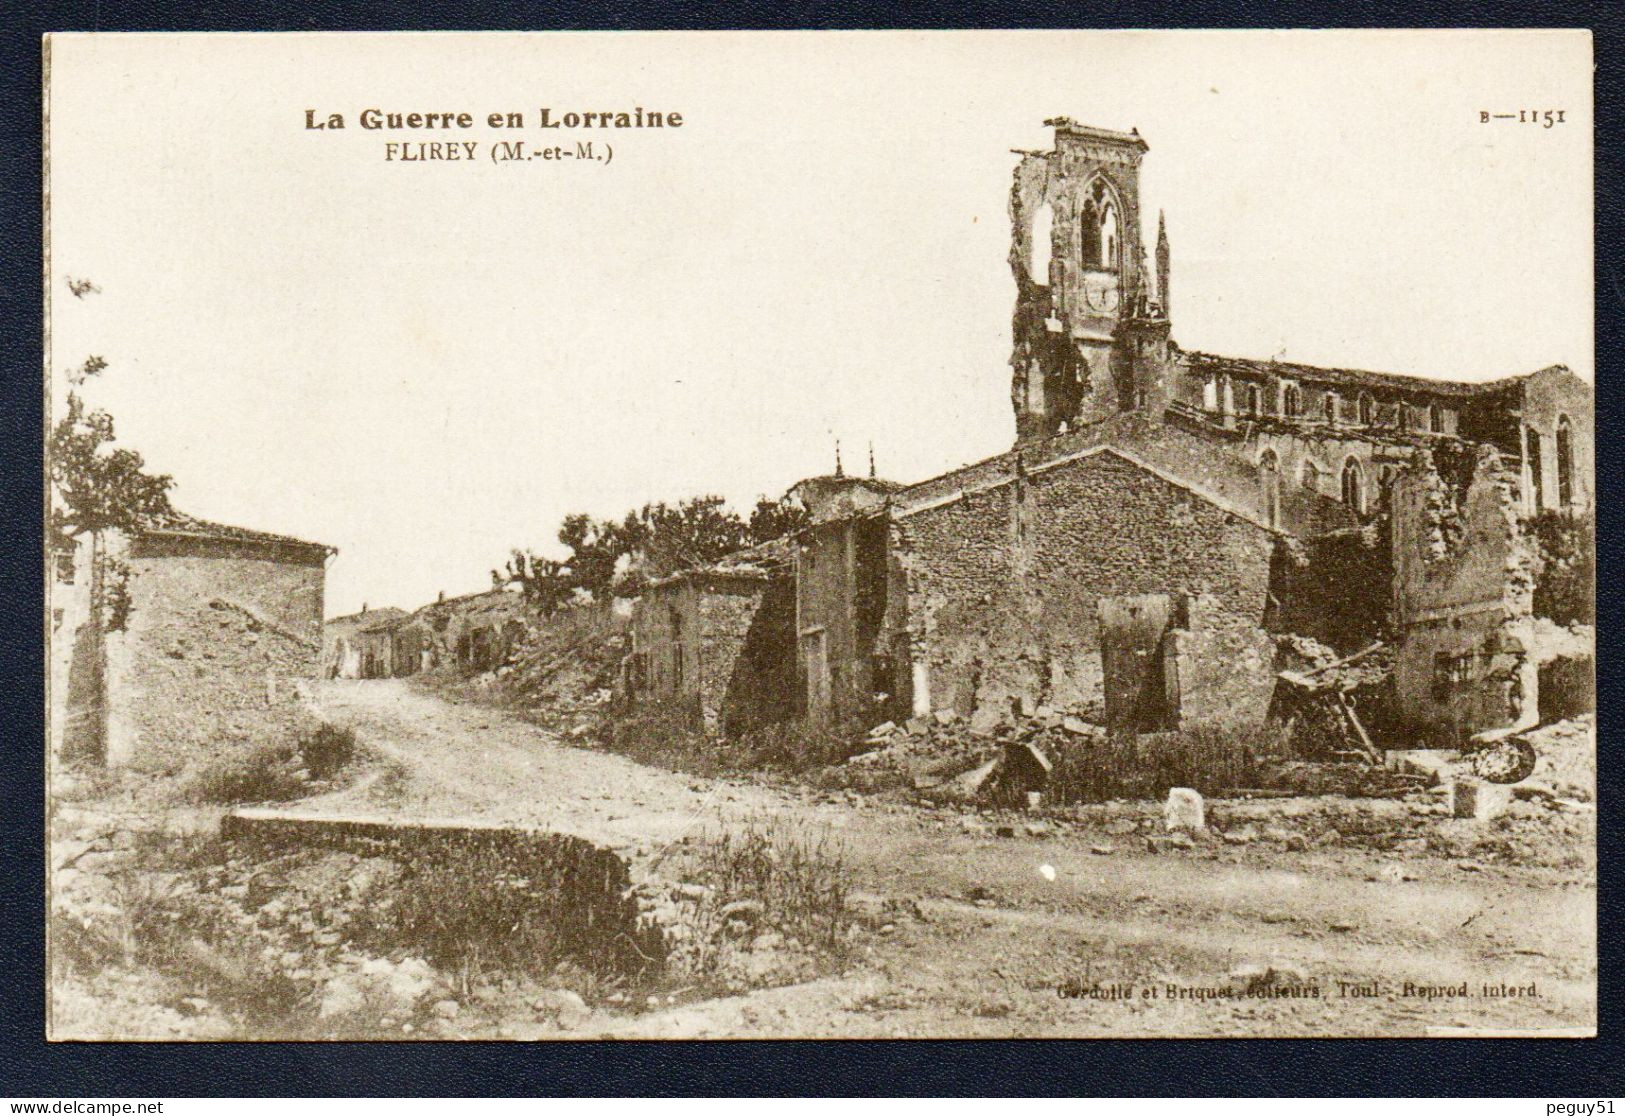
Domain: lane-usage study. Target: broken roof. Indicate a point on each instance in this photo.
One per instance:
(370, 615)
(1354, 377)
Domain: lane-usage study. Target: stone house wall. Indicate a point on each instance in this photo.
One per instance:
(1463, 600)
(219, 634)
(717, 646)
(1005, 588)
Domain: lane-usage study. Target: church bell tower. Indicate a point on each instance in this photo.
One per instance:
(1087, 317)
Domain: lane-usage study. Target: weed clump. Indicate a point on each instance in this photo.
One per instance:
(479, 908)
(275, 772)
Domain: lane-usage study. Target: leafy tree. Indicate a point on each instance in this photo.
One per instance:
(96, 487)
(607, 556)
(773, 519)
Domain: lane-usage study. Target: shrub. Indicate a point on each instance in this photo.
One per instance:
(326, 749)
(473, 907)
(263, 773)
(800, 877)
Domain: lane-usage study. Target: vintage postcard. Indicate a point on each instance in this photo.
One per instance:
(820, 535)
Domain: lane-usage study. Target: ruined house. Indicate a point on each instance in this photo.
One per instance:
(341, 640)
(1164, 515)
(182, 642)
(715, 645)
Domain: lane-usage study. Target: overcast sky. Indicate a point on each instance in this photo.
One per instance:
(426, 364)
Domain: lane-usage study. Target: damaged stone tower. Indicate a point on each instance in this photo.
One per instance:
(1091, 333)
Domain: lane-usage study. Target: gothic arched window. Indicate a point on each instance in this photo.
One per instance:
(1269, 479)
(1109, 233)
(1310, 475)
(1435, 418)
(1368, 409)
(1353, 489)
(1565, 462)
(1328, 406)
(1291, 401)
(1251, 395)
(1099, 229)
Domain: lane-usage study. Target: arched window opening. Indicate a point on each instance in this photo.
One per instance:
(1291, 401)
(1328, 406)
(1435, 419)
(1532, 462)
(1089, 234)
(1565, 462)
(1353, 489)
(1402, 415)
(1309, 475)
(1099, 229)
(1210, 394)
(1269, 479)
(1252, 398)
(1040, 243)
(1108, 236)
(1368, 409)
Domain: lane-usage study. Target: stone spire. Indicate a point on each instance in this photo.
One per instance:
(871, 461)
(838, 470)
(1162, 266)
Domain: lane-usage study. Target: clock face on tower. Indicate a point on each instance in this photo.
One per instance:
(1100, 291)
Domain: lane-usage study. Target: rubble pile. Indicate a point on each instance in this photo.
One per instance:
(946, 757)
(565, 667)
(1566, 757)
(1320, 702)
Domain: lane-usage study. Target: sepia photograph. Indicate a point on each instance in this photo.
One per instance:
(820, 535)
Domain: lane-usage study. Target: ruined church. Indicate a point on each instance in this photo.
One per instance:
(1167, 528)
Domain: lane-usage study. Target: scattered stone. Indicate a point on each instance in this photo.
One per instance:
(746, 910)
(1037, 829)
(340, 996)
(566, 1006)
(882, 730)
(192, 1005)
(1004, 831)
(1469, 866)
(1477, 799)
(1184, 810)
(944, 717)
(1254, 977)
(1076, 726)
(689, 892)
(1296, 842)
(1102, 850)
(1275, 917)
(1237, 836)
(446, 1009)
(1342, 927)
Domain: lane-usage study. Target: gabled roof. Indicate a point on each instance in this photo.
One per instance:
(1357, 378)
(180, 525)
(1195, 488)
(369, 616)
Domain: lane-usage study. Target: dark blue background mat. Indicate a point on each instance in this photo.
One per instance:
(1555, 1069)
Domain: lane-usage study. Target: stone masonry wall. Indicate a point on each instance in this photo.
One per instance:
(215, 643)
(1005, 585)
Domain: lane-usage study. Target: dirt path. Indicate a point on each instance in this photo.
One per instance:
(1036, 934)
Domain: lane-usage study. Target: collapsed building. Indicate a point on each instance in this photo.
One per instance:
(1167, 527)
(471, 633)
(175, 644)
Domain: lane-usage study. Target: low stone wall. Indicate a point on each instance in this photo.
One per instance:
(594, 884)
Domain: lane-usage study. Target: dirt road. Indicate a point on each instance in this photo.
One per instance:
(1055, 928)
